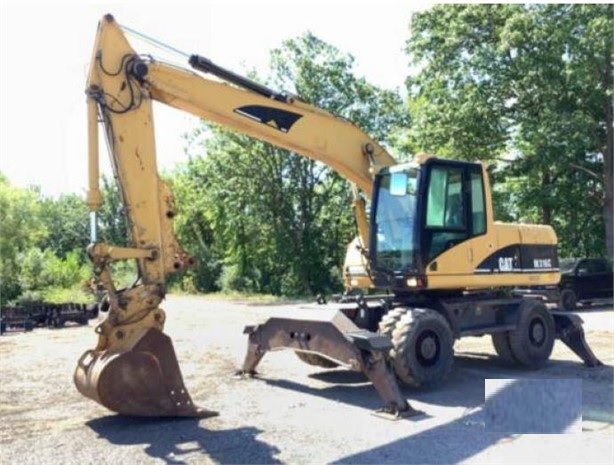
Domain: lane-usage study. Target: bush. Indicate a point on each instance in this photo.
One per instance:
(43, 276)
(68, 272)
(34, 274)
(60, 295)
(29, 297)
(233, 279)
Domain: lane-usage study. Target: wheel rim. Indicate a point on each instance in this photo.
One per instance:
(537, 332)
(427, 348)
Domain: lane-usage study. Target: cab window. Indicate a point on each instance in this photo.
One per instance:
(446, 221)
(445, 207)
(478, 211)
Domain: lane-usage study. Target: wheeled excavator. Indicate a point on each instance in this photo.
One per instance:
(430, 240)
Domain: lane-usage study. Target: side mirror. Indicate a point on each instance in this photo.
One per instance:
(582, 272)
(398, 184)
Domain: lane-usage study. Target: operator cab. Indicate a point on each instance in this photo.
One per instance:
(420, 210)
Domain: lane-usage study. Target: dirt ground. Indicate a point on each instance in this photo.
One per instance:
(291, 413)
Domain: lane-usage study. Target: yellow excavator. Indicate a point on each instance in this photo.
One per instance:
(430, 241)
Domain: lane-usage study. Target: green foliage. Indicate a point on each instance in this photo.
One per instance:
(112, 222)
(66, 220)
(67, 272)
(42, 245)
(61, 295)
(21, 228)
(190, 184)
(34, 274)
(45, 276)
(235, 279)
(528, 86)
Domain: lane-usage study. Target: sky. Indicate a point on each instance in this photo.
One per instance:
(45, 48)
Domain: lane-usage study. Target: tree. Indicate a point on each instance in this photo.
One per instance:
(190, 183)
(530, 86)
(67, 222)
(112, 222)
(21, 229)
(42, 272)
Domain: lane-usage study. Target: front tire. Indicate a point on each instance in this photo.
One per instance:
(423, 348)
(389, 321)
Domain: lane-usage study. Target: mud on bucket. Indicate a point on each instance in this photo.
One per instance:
(143, 380)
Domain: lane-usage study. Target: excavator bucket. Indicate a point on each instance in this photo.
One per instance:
(143, 380)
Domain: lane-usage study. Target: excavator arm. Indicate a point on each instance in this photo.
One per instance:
(133, 369)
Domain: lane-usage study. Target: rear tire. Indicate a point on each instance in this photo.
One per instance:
(532, 341)
(422, 353)
(568, 300)
(316, 360)
(501, 343)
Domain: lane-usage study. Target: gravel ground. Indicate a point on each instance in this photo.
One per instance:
(292, 413)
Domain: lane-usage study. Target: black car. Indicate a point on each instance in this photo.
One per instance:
(584, 280)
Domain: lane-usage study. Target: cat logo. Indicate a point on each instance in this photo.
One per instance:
(506, 263)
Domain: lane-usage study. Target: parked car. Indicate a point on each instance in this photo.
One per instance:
(583, 280)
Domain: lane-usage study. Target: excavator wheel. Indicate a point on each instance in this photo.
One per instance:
(389, 321)
(501, 343)
(532, 341)
(142, 380)
(316, 360)
(422, 353)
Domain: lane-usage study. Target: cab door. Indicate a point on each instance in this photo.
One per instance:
(454, 218)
